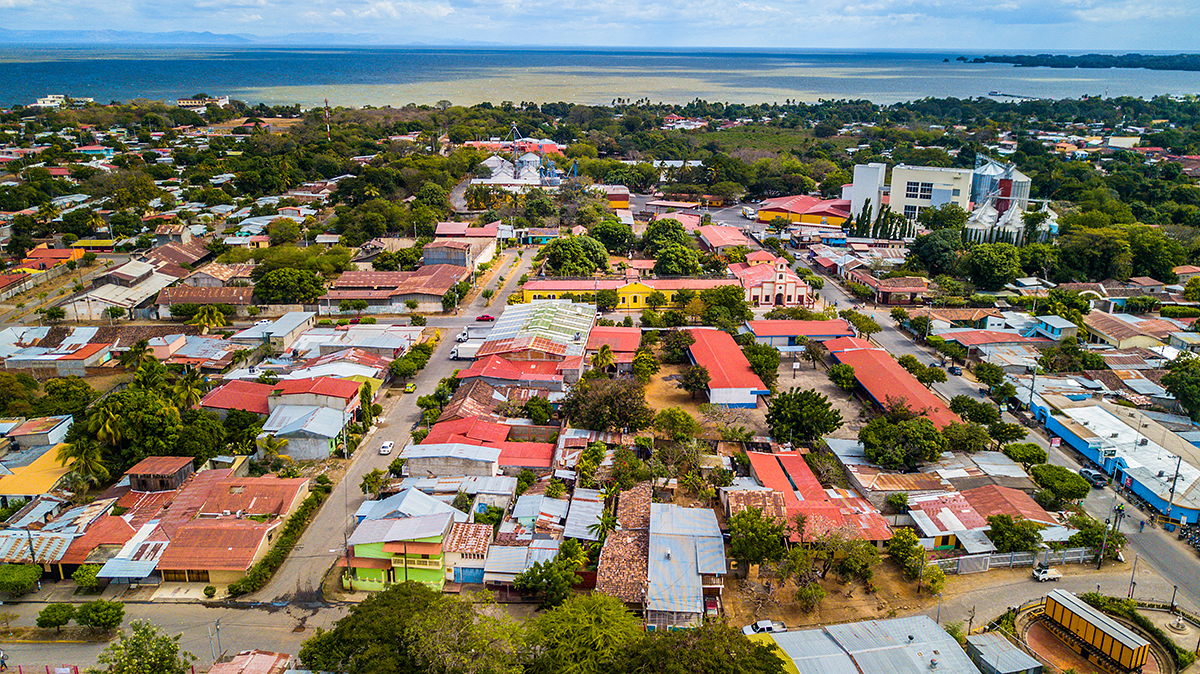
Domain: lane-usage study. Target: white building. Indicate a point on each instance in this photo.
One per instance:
(867, 186)
(917, 187)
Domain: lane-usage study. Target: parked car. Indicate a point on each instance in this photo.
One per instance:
(1045, 574)
(955, 370)
(386, 448)
(486, 317)
(410, 387)
(263, 321)
(1095, 478)
(764, 627)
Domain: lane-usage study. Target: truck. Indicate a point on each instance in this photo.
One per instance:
(472, 332)
(466, 350)
(764, 627)
(1043, 573)
(749, 213)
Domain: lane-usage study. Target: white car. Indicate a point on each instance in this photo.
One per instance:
(386, 448)
(265, 321)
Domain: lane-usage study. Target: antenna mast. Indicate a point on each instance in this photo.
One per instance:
(327, 136)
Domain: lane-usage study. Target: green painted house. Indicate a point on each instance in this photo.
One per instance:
(387, 551)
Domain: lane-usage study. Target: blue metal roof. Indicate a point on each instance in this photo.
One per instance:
(685, 543)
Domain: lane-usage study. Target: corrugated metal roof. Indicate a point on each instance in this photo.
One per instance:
(1114, 629)
(505, 559)
(409, 503)
(405, 529)
(586, 508)
(999, 653)
(452, 450)
(679, 554)
(815, 652)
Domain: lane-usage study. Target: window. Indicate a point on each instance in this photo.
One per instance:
(623, 300)
(910, 212)
(911, 190)
(956, 192)
(926, 190)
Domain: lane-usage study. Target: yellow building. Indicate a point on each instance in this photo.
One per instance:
(804, 209)
(630, 294)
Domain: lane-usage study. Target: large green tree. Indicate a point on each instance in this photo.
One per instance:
(676, 260)
(992, 265)
(289, 286)
(608, 404)
(711, 648)
(1183, 381)
(755, 538)
(663, 233)
(575, 256)
(616, 236)
(587, 634)
(375, 636)
(145, 649)
(801, 416)
(901, 444)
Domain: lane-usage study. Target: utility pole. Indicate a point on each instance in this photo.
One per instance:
(219, 649)
(1174, 479)
(1133, 583)
(1107, 521)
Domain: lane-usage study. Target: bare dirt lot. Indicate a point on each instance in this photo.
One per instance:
(854, 414)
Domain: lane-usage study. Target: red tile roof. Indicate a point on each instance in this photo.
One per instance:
(979, 337)
(236, 296)
(216, 545)
(239, 395)
(617, 338)
(497, 367)
(848, 344)
(788, 474)
(837, 326)
(727, 367)
(883, 378)
(324, 386)
(804, 204)
(526, 454)
(468, 538)
(253, 495)
(717, 236)
(996, 500)
(471, 431)
(108, 530)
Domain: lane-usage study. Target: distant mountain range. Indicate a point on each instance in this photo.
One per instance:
(130, 37)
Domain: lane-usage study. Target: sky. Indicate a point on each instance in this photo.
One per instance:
(997, 26)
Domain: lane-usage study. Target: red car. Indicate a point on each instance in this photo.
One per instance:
(486, 317)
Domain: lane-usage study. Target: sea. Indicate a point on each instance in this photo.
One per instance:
(356, 77)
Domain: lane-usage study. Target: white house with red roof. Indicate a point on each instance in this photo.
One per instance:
(731, 381)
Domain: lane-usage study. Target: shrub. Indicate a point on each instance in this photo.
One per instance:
(55, 615)
(898, 501)
(210, 591)
(1174, 311)
(1064, 484)
(418, 320)
(17, 579)
(85, 576)
(101, 614)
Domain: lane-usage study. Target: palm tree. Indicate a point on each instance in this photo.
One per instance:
(86, 459)
(240, 356)
(105, 424)
(272, 445)
(209, 316)
(188, 389)
(602, 527)
(604, 358)
(150, 376)
(137, 354)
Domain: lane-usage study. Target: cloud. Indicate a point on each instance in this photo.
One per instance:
(1004, 25)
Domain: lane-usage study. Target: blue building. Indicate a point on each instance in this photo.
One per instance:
(1130, 447)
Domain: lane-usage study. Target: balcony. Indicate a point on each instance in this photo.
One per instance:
(399, 563)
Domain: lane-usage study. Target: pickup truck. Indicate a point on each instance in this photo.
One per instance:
(764, 627)
(1045, 574)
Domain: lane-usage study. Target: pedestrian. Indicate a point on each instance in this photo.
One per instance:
(3, 660)
(1141, 526)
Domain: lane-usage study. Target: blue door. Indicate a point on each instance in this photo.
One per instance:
(467, 575)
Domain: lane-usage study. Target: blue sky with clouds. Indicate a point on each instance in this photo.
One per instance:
(994, 25)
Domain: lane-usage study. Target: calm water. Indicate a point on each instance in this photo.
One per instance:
(364, 76)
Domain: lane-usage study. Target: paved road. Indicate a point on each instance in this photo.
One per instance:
(299, 579)
(1169, 559)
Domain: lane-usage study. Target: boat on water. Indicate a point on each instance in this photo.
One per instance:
(995, 93)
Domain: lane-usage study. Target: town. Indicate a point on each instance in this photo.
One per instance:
(511, 388)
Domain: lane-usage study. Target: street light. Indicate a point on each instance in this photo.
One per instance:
(1174, 479)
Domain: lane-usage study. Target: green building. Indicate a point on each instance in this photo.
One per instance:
(387, 551)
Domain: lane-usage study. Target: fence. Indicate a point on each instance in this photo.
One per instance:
(45, 669)
(1008, 560)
